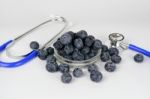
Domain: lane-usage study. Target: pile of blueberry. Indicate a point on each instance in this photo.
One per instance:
(79, 46)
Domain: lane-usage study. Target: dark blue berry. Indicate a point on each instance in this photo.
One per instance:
(50, 50)
(113, 51)
(66, 38)
(64, 68)
(66, 78)
(89, 40)
(42, 54)
(77, 72)
(68, 49)
(116, 59)
(97, 44)
(82, 34)
(52, 67)
(68, 57)
(139, 58)
(86, 57)
(78, 56)
(110, 66)
(104, 48)
(58, 45)
(92, 67)
(96, 76)
(34, 45)
(105, 57)
(61, 52)
(51, 59)
(78, 43)
(85, 50)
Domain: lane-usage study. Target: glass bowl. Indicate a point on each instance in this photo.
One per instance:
(74, 63)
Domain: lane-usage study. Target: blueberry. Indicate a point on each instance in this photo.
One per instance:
(42, 54)
(82, 34)
(66, 38)
(139, 58)
(78, 43)
(116, 59)
(89, 40)
(50, 50)
(94, 51)
(96, 76)
(34, 45)
(68, 49)
(68, 57)
(91, 54)
(64, 68)
(78, 56)
(72, 34)
(113, 51)
(92, 67)
(51, 59)
(77, 72)
(97, 44)
(104, 48)
(85, 50)
(110, 66)
(58, 45)
(61, 52)
(66, 78)
(52, 67)
(86, 57)
(105, 57)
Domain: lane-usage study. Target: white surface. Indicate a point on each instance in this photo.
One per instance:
(98, 17)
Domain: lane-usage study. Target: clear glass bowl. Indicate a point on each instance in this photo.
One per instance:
(77, 63)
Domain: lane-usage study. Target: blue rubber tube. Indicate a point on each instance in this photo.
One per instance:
(138, 49)
(28, 58)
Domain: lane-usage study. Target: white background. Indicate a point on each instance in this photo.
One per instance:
(99, 18)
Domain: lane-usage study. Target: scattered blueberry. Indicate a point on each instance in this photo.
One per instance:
(138, 58)
(104, 48)
(110, 66)
(64, 68)
(34, 45)
(51, 59)
(52, 67)
(96, 76)
(77, 72)
(66, 78)
(78, 43)
(116, 59)
(66, 38)
(105, 57)
(92, 67)
(113, 51)
(50, 50)
(42, 54)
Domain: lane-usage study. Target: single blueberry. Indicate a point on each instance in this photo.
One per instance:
(66, 78)
(78, 56)
(51, 59)
(138, 58)
(104, 56)
(52, 67)
(116, 59)
(34, 45)
(58, 45)
(97, 44)
(96, 76)
(50, 50)
(113, 51)
(86, 57)
(89, 40)
(104, 48)
(92, 67)
(85, 50)
(66, 39)
(77, 72)
(42, 54)
(110, 66)
(82, 34)
(64, 68)
(68, 49)
(78, 43)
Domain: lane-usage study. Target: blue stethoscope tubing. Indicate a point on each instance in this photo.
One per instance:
(139, 50)
(31, 55)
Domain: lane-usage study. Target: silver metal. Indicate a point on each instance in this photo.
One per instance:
(115, 39)
(53, 19)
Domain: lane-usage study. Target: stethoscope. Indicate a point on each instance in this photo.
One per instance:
(31, 55)
(117, 40)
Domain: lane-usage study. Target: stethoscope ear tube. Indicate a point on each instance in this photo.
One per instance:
(138, 49)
